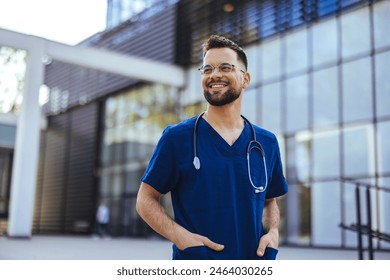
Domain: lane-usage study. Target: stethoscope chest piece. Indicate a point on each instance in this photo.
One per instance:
(259, 190)
(196, 163)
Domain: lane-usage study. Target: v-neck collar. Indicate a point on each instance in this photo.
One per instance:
(241, 140)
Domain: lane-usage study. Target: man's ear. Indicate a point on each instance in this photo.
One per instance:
(247, 79)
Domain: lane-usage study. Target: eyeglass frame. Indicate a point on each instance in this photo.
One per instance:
(219, 68)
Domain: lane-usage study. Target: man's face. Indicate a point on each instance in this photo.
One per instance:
(221, 88)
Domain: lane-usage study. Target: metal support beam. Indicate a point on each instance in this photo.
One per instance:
(115, 63)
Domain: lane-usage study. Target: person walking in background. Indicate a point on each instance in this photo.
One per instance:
(103, 220)
(223, 172)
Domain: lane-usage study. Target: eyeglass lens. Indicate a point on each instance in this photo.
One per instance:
(223, 67)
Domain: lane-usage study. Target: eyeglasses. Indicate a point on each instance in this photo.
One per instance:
(223, 68)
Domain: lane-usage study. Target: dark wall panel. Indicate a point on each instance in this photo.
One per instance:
(65, 199)
(51, 188)
(80, 194)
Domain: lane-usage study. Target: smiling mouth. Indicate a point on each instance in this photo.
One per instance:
(217, 85)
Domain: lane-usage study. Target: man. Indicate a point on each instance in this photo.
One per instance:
(224, 203)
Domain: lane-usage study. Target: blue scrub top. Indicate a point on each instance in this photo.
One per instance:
(218, 200)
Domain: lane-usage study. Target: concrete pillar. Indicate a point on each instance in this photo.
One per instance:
(24, 172)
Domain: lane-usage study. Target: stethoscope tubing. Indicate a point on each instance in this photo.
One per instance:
(253, 144)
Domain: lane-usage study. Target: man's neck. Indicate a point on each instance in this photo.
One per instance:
(228, 123)
(228, 116)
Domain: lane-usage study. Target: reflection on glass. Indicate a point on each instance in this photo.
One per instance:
(384, 210)
(326, 155)
(297, 103)
(283, 218)
(193, 93)
(116, 213)
(140, 115)
(381, 24)
(382, 84)
(271, 107)
(325, 42)
(138, 118)
(134, 122)
(298, 157)
(357, 91)
(302, 153)
(355, 33)
(194, 109)
(326, 211)
(105, 184)
(253, 66)
(349, 213)
(298, 214)
(282, 146)
(132, 181)
(325, 97)
(297, 52)
(359, 156)
(117, 184)
(249, 105)
(383, 147)
(271, 57)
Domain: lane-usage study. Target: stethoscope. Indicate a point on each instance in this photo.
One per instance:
(253, 144)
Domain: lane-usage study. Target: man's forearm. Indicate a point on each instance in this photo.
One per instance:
(271, 216)
(154, 214)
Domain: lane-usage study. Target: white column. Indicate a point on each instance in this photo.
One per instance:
(25, 165)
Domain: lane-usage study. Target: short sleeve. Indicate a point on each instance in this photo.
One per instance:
(162, 170)
(277, 185)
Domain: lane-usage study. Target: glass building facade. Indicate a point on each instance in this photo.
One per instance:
(133, 122)
(119, 11)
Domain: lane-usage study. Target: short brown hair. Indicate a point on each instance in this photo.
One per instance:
(217, 41)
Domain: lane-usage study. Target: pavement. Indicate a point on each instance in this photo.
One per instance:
(42, 247)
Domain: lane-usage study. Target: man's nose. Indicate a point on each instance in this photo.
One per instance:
(216, 72)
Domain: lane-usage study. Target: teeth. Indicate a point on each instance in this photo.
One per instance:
(217, 86)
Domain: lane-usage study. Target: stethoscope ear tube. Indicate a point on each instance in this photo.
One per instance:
(253, 144)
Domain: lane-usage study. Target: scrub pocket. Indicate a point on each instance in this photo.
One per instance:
(269, 254)
(191, 253)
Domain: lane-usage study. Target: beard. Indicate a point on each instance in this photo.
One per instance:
(220, 99)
